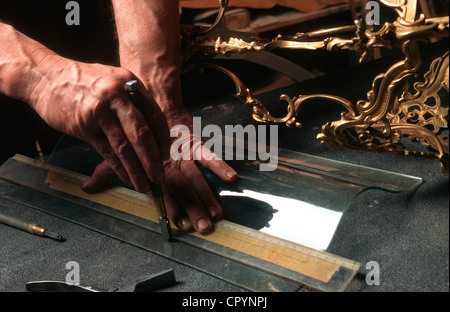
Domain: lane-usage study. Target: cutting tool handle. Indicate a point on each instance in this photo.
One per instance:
(133, 92)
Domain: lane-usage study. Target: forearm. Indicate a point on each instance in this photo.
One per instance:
(149, 43)
(21, 59)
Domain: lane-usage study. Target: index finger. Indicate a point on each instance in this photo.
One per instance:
(147, 106)
(141, 137)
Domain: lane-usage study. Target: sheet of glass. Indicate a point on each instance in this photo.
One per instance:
(303, 199)
(270, 202)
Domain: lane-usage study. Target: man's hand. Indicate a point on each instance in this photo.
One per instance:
(189, 200)
(89, 101)
(149, 45)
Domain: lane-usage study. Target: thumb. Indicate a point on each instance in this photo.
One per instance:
(100, 178)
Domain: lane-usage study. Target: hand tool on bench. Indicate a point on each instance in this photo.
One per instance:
(145, 284)
(32, 228)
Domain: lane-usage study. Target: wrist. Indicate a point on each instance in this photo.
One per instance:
(174, 110)
(20, 61)
(163, 83)
(45, 71)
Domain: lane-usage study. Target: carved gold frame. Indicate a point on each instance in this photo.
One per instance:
(390, 112)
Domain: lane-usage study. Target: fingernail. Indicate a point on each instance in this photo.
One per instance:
(185, 224)
(86, 187)
(232, 176)
(213, 212)
(203, 225)
(85, 184)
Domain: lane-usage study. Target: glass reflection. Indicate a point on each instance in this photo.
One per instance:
(290, 219)
(304, 199)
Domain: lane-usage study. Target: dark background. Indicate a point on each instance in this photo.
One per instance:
(92, 41)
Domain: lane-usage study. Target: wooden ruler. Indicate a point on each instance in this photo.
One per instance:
(317, 269)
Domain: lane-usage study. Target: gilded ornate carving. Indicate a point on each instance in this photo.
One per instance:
(385, 118)
(390, 112)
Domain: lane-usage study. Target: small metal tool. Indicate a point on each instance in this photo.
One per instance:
(145, 284)
(164, 223)
(32, 228)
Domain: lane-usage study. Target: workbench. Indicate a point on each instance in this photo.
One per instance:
(406, 234)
